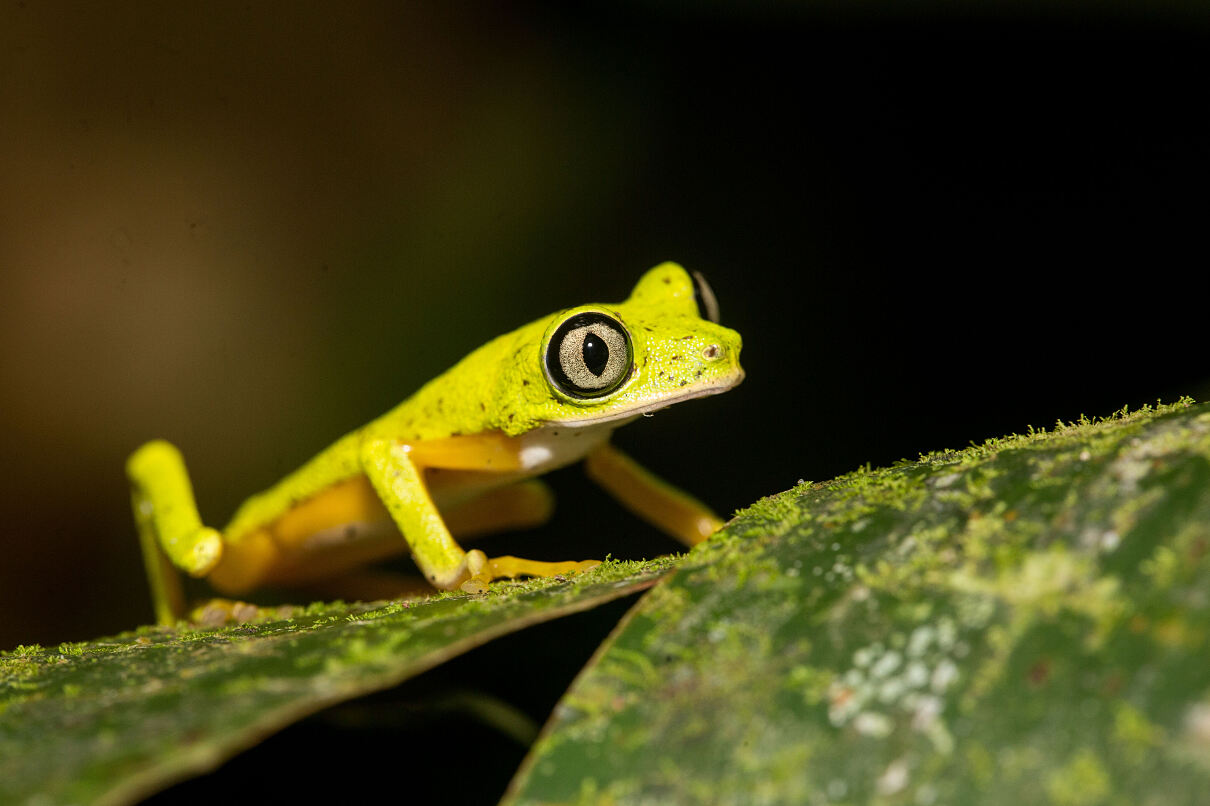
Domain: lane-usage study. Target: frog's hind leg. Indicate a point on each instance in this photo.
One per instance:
(522, 505)
(170, 530)
(519, 505)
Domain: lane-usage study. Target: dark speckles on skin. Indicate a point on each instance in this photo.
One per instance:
(699, 374)
(675, 358)
(511, 416)
(684, 338)
(667, 281)
(683, 382)
(482, 406)
(524, 382)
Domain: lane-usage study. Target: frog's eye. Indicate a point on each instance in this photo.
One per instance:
(589, 355)
(703, 295)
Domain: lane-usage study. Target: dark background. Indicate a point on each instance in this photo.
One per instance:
(250, 229)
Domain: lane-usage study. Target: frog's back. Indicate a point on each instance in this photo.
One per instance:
(442, 407)
(337, 463)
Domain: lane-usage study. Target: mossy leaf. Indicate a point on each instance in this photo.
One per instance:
(1025, 621)
(112, 720)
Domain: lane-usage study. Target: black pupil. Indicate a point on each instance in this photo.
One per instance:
(596, 353)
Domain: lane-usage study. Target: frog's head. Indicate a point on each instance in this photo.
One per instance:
(663, 345)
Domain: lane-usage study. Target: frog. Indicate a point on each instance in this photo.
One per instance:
(460, 458)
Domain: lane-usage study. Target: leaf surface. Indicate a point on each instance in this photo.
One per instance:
(112, 720)
(1025, 621)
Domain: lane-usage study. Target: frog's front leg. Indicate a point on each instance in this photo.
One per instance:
(666, 507)
(396, 471)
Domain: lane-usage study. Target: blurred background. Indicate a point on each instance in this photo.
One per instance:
(250, 228)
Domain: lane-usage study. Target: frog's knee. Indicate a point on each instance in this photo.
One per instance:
(204, 553)
(152, 460)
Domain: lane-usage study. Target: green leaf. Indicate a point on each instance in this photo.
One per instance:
(1025, 621)
(113, 720)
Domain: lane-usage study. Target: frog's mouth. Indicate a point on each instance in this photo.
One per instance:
(628, 413)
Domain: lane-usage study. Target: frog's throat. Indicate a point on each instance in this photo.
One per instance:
(662, 402)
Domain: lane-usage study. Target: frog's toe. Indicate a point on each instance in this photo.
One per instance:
(515, 566)
(220, 612)
(479, 571)
(482, 571)
(474, 586)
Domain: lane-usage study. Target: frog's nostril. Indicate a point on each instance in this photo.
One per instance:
(711, 352)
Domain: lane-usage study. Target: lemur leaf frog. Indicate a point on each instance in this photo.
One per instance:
(459, 457)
